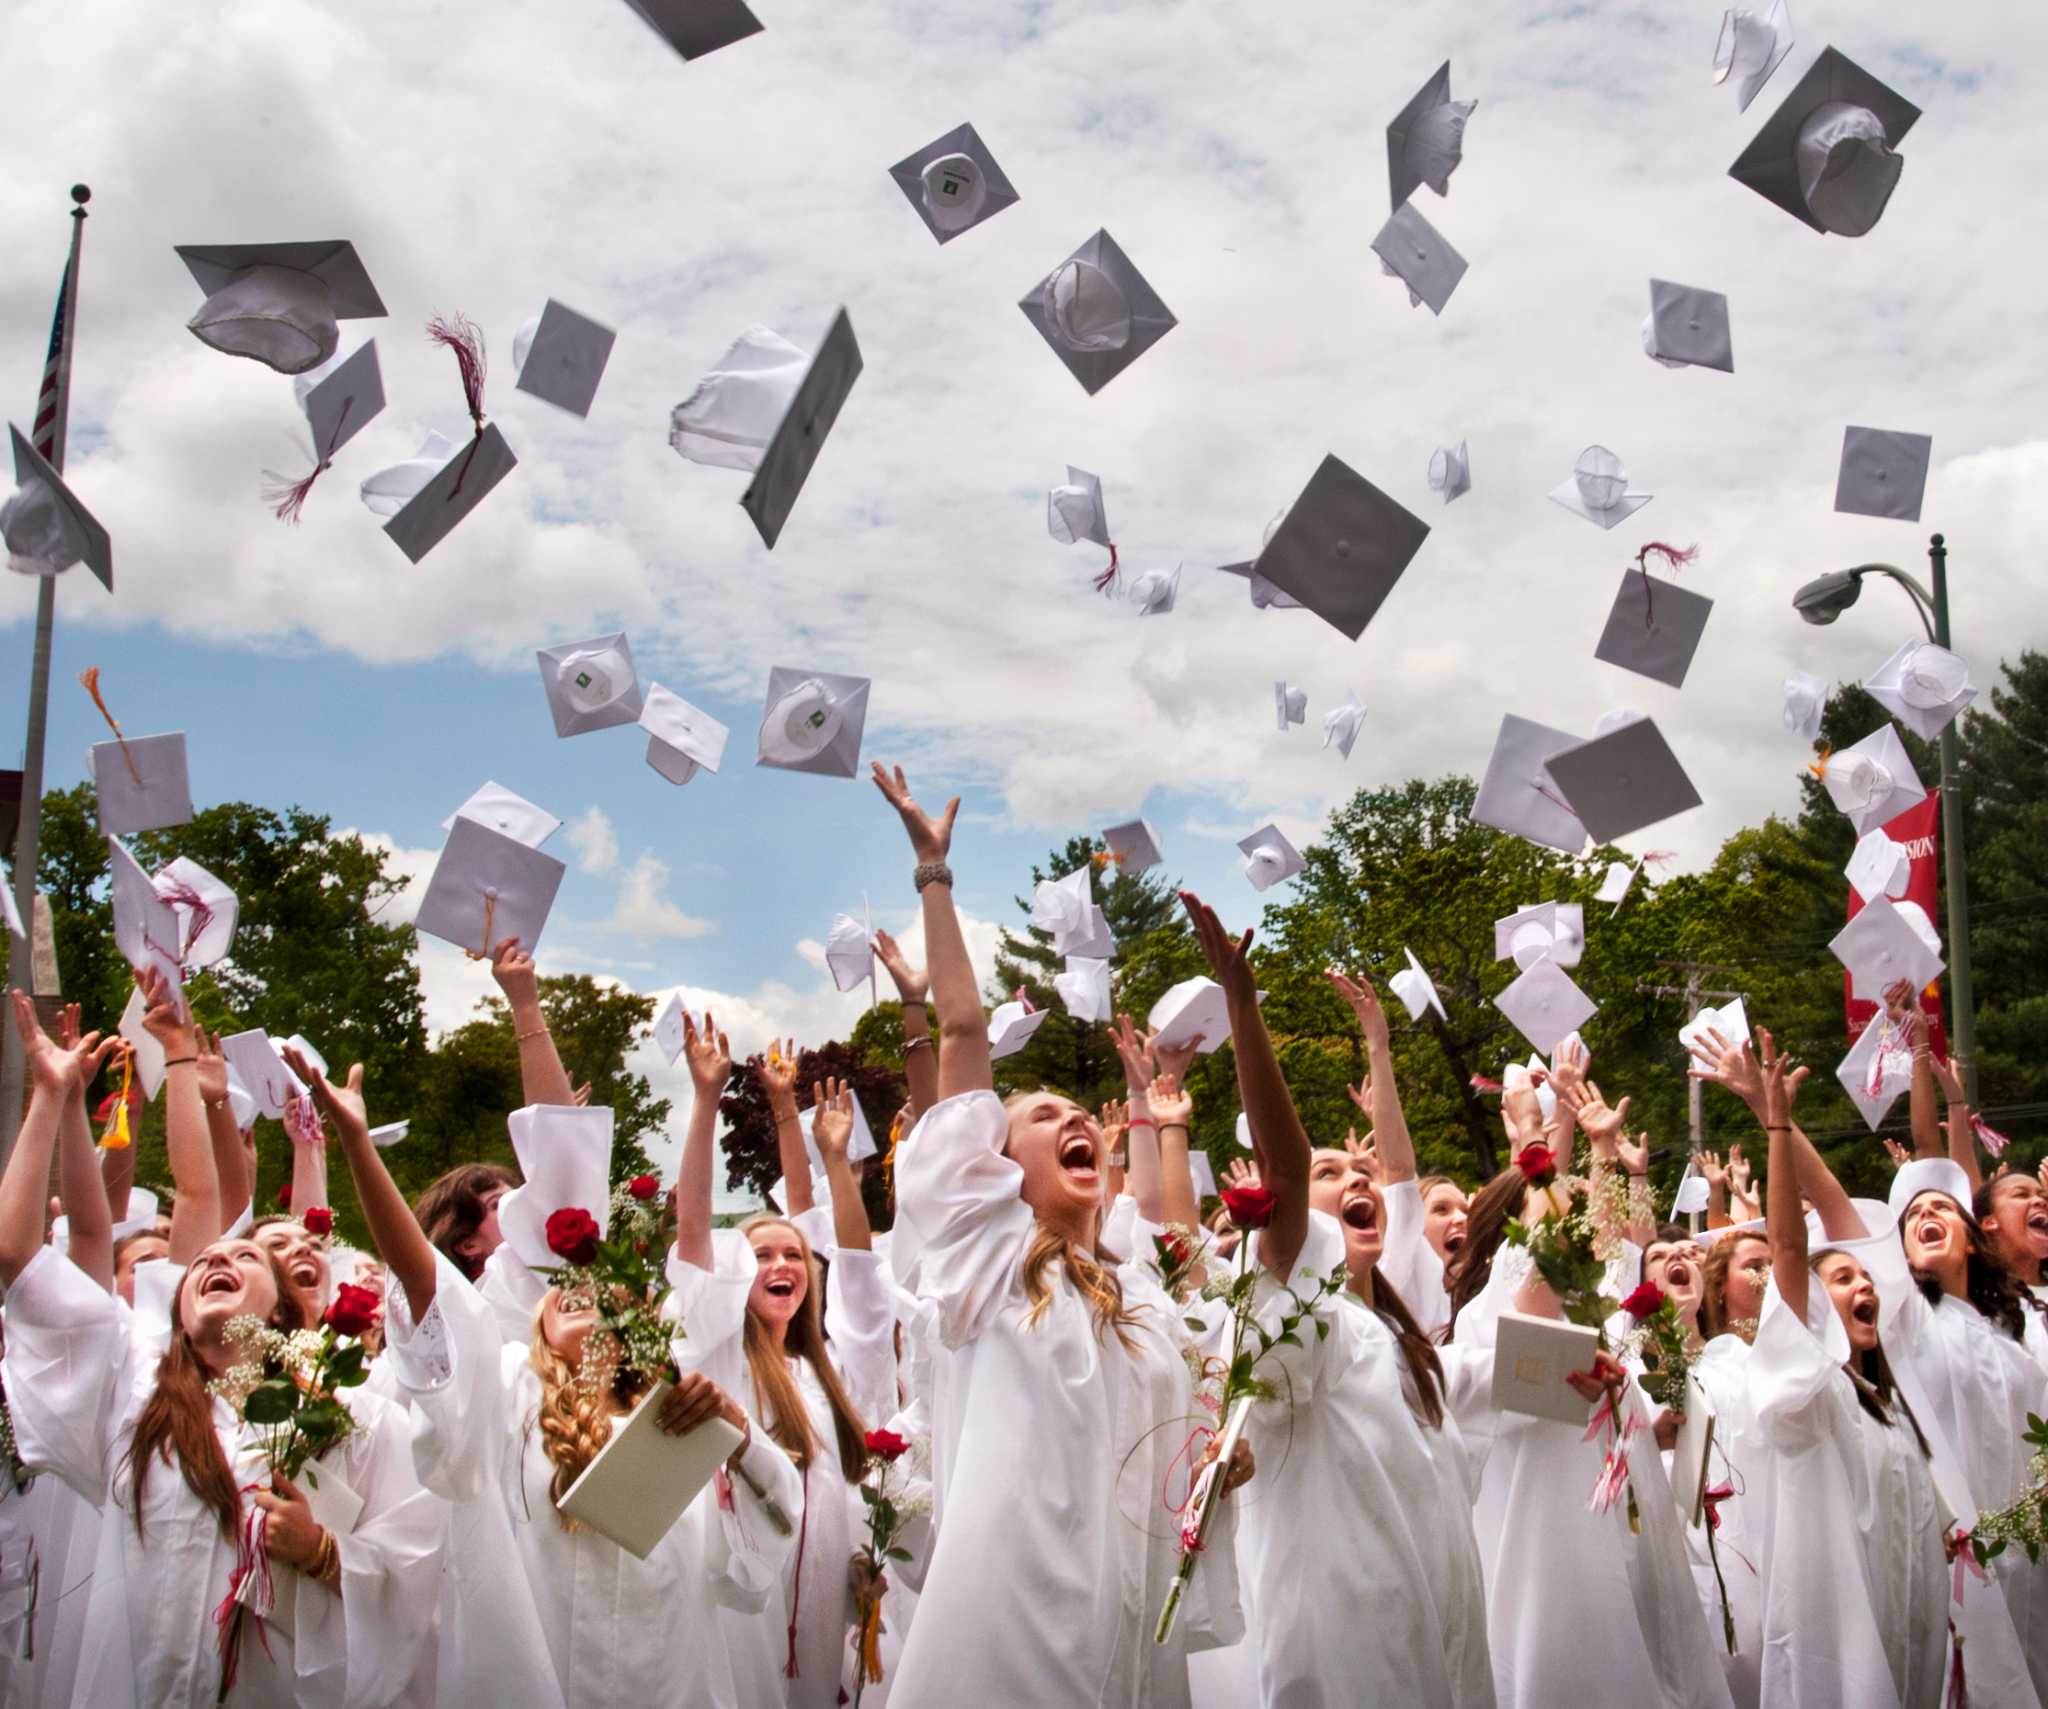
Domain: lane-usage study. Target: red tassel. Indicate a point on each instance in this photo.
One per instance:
(1106, 582)
(1673, 556)
(287, 499)
(796, 1593)
(1958, 1686)
(463, 336)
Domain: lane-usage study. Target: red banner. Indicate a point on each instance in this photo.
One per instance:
(1918, 829)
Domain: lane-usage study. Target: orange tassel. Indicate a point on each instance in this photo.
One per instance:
(1819, 768)
(871, 1643)
(89, 678)
(490, 908)
(117, 1137)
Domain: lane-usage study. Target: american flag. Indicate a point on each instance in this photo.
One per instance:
(50, 404)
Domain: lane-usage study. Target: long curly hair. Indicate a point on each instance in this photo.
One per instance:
(575, 1418)
(776, 1395)
(175, 1426)
(1093, 1273)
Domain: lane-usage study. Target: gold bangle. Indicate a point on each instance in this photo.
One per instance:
(540, 1031)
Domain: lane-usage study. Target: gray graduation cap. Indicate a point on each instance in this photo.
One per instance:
(1415, 251)
(1097, 312)
(465, 480)
(45, 528)
(1427, 139)
(1826, 156)
(277, 303)
(487, 887)
(1133, 845)
(141, 783)
(813, 721)
(591, 685)
(1341, 548)
(697, 27)
(343, 401)
(786, 464)
(561, 358)
(1883, 473)
(1518, 794)
(953, 183)
(1623, 781)
(1654, 628)
(1687, 327)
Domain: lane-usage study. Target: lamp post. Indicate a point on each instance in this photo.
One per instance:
(1821, 601)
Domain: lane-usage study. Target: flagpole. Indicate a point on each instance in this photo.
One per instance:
(53, 409)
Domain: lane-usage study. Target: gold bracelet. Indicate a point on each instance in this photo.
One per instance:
(540, 1031)
(913, 1041)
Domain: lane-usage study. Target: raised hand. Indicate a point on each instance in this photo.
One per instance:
(1361, 1095)
(1568, 1068)
(164, 1018)
(1365, 1155)
(1171, 1104)
(1708, 1167)
(708, 1055)
(1731, 1065)
(342, 1105)
(1738, 1169)
(1778, 1085)
(832, 1126)
(512, 968)
(1948, 1076)
(211, 1067)
(911, 982)
(777, 1070)
(1135, 1050)
(1173, 1059)
(1229, 959)
(1113, 1118)
(581, 1096)
(1634, 1155)
(1239, 1173)
(1600, 1123)
(54, 1068)
(1365, 1005)
(930, 839)
(1899, 1155)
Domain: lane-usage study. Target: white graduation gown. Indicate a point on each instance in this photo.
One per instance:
(1581, 1610)
(1355, 1538)
(1409, 1261)
(78, 1376)
(536, 1614)
(1723, 1372)
(1054, 1549)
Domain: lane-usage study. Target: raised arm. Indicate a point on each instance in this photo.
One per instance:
(920, 1063)
(777, 1074)
(1784, 1220)
(1173, 1110)
(1383, 1091)
(1279, 1141)
(1142, 1178)
(230, 1156)
(407, 1253)
(309, 1163)
(710, 1061)
(79, 1182)
(1737, 1068)
(54, 1074)
(964, 1064)
(542, 1079)
(1902, 1008)
(832, 1127)
(1962, 1132)
(198, 1216)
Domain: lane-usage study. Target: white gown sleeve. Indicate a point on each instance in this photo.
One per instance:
(451, 1367)
(69, 1371)
(1409, 1262)
(959, 1193)
(861, 1312)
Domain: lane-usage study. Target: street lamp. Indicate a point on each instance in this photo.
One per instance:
(1821, 601)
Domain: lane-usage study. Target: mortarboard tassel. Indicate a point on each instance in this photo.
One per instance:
(117, 1136)
(287, 499)
(1105, 583)
(463, 336)
(89, 679)
(1671, 555)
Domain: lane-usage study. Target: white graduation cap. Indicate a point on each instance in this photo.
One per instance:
(391, 489)
(1269, 857)
(1883, 473)
(1888, 941)
(1075, 511)
(1010, 1028)
(314, 1059)
(388, 1135)
(1342, 724)
(849, 953)
(278, 303)
(954, 183)
(1060, 905)
(1873, 781)
(1415, 252)
(1092, 940)
(1614, 885)
(1084, 988)
(241, 1101)
(508, 814)
(1133, 845)
(206, 910)
(559, 356)
(861, 1145)
(1450, 471)
(1927, 1175)
(813, 722)
(1098, 312)
(1879, 867)
(1545, 1006)
(1731, 1021)
(564, 1155)
(1290, 705)
(428, 509)
(1827, 155)
(44, 526)
(340, 398)
(10, 913)
(1687, 327)
(694, 28)
(140, 783)
(1877, 1069)
(1518, 793)
(1693, 1193)
(1751, 46)
(145, 925)
(253, 1057)
(1553, 929)
(1416, 989)
(1598, 489)
(668, 1027)
(1204, 1173)
(487, 887)
(591, 685)
(680, 737)
(1193, 1006)
(1426, 141)
(1243, 1131)
(1806, 698)
(1924, 686)
(1155, 591)
(1517, 1075)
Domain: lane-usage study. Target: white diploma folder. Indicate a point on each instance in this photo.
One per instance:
(1531, 1358)
(1691, 1457)
(642, 1479)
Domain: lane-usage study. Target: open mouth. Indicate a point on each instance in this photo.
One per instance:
(1677, 1276)
(1865, 1312)
(1077, 1155)
(1454, 1243)
(306, 1275)
(2037, 1217)
(1359, 1213)
(1931, 1233)
(782, 1288)
(219, 1282)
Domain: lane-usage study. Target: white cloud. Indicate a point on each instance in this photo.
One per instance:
(595, 840)
(642, 911)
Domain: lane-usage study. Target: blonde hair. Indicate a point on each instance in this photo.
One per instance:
(575, 1418)
(775, 1391)
(1095, 1281)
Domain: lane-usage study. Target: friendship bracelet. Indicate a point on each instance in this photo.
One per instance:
(531, 1032)
(178, 1061)
(1141, 1121)
(931, 872)
(1776, 1128)
(916, 1041)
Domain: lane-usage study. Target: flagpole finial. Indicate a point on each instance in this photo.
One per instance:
(81, 194)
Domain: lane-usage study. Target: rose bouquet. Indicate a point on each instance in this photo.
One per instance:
(623, 1277)
(2025, 1520)
(1661, 1343)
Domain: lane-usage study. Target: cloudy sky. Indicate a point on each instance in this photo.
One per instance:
(485, 159)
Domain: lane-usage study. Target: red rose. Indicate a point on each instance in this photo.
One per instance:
(1646, 1301)
(886, 1444)
(318, 1220)
(1248, 1207)
(644, 1186)
(1538, 1164)
(573, 1235)
(284, 1197)
(1173, 1248)
(354, 1312)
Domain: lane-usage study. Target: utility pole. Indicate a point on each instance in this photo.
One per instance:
(1693, 991)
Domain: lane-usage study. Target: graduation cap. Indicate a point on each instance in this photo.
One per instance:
(508, 814)
(1084, 987)
(1426, 141)
(1878, 867)
(461, 483)
(1925, 686)
(813, 722)
(1341, 724)
(668, 1027)
(1687, 327)
(1731, 1021)
(1193, 1006)
(1450, 471)
(1826, 156)
(1751, 46)
(697, 27)
(340, 398)
(487, 887)
(206, 911)
(1623, 780)
(1341, 547)
(1133, 845)
(849, 952)
(1545, 1006)
(1290, 705)
(1416, 989)
(786, 463)
(1097, 312)
(591, 685)
(145, 925)
(1415, 252)
(1011, 1026)
(680, 738)
(1075, 511)
(1556, 930)
(253, 1057)
(1269, 857)
(1653, 627)
(1872, 781)
(140, 783)
(561, 356)
(1518, 793)
(1877, 1069)
(1883, 473)
(1154, 592)
(278, 303)
(45, 528)
(1806, 698)
(1598, 489)
(954, 183)
(1888, 941)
